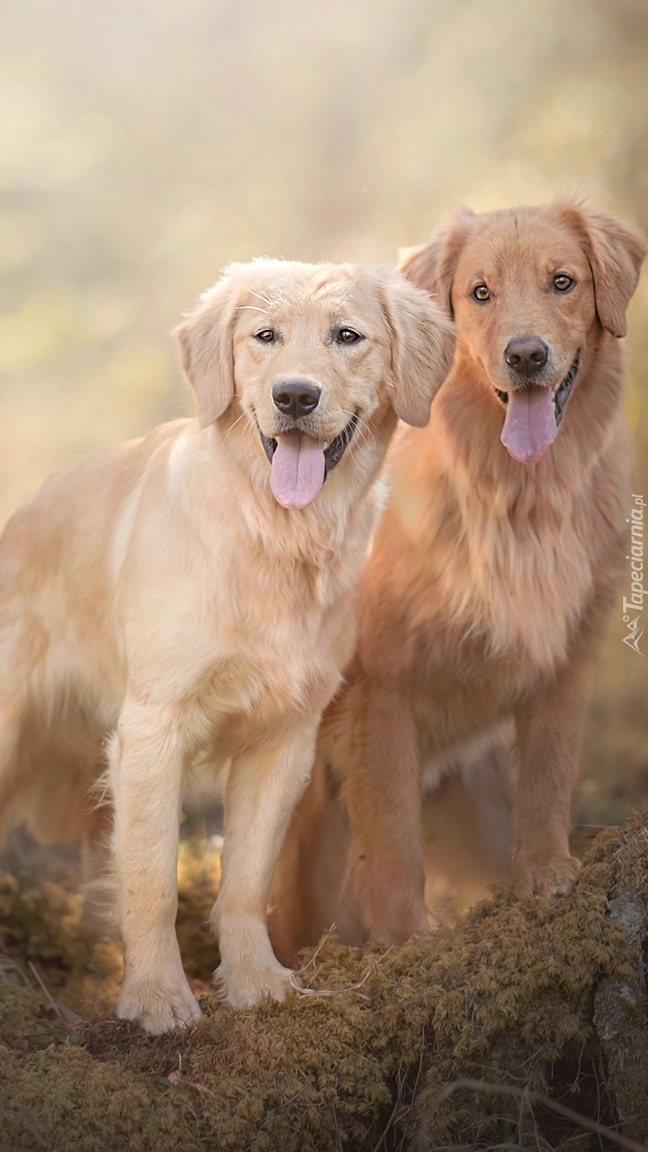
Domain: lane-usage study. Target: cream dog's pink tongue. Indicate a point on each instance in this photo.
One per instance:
(530, 424)
(298, 468)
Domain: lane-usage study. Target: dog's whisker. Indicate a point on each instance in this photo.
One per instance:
(234, 424)
(362, 434)
(253, 308)
(266, 298)
(341, 299)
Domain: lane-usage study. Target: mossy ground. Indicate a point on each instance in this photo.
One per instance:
(372, 1056)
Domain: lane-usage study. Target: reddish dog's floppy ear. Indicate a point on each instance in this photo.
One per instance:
(206, 350)
(432, 266)
(615, 251)
(423, 343)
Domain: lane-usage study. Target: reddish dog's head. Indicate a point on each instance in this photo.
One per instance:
(532, 290)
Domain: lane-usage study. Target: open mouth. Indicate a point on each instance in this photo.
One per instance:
(301, 464)
(332, 455)
(533, 415)
(560, 396)
(563, 390)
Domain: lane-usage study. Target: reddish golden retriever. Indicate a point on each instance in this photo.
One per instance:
(493, 570)
(188, 600)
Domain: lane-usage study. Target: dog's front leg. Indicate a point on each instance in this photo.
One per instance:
(264, 785)
(381, 771)
(146, 763)
(549, 730)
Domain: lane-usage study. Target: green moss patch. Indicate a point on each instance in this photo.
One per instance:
(462, 1039)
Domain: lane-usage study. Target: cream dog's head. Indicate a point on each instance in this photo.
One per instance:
(307, 359)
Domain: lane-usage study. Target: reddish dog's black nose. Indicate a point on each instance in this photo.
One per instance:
(296, 397)
(526, 355)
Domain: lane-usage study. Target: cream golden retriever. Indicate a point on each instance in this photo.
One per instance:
(493, 569)
(189, 598)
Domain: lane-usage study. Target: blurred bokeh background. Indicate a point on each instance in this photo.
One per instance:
(144, 145)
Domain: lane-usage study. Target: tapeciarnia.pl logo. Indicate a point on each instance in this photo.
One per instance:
(630, 605)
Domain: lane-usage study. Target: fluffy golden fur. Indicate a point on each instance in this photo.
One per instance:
(158, 602)
(489, 578)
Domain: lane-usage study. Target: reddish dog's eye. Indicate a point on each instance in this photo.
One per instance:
(267, 335)
(481, 293)
(348, 336)
(563, 282)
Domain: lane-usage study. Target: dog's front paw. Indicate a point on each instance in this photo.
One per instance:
(543, 876)
(243, 988)
(157, 1007)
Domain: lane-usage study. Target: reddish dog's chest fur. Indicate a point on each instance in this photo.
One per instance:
(484, 576)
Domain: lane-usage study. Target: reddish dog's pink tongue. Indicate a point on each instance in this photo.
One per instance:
(530, 424)
(298, 468)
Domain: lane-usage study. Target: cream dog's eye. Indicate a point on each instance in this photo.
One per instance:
(266, 335)
(348, 336)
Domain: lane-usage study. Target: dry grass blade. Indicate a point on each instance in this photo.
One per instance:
(295, 979)
(338, 1135)
(527, 1095)
(61, 1011)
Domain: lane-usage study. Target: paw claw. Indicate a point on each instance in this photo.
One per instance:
(554, 877)
(158, 1010)
(243, 989)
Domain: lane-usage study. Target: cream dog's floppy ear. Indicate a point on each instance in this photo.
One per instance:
(432, 266)
(206, 348)
(615, 250)
(422, 351)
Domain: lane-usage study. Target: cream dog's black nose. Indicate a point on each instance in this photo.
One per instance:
(296, 397)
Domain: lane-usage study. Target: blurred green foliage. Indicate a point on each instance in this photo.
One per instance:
(143, 146)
